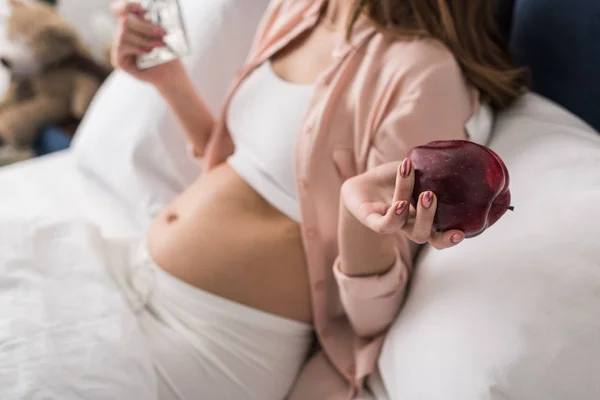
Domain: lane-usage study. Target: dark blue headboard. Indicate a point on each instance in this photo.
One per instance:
(560, 41)
(504, 16)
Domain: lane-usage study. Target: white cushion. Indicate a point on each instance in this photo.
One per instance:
(131, 141)
(93, 21)
(513, 314)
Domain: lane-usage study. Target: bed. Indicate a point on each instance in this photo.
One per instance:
(52, 187)
(122, 169)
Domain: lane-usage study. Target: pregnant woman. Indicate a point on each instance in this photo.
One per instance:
(301, 219)
(279, 270)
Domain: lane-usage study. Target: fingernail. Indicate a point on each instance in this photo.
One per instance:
(427, 199)
(457, 238)
(406, 168)
(401, 207)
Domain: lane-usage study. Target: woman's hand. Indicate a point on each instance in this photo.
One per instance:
(380, 200)
(136, 37)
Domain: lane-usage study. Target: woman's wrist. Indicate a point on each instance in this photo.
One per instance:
(363, 252)
(178, 90)
(174, 79)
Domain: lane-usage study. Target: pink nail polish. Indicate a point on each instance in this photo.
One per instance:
(457, 238)
(406, 168)
(427, 200)
(401, 207)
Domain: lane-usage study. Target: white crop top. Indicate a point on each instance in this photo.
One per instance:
(264, 117)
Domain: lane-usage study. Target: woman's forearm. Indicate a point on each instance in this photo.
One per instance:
(189, 108)
(363, 252)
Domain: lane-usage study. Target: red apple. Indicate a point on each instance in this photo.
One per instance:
(469, 180)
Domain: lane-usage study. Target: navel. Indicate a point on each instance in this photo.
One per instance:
(172, 217)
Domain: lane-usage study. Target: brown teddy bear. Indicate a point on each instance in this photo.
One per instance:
(53, 76)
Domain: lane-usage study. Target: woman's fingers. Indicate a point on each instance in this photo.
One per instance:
(127, 50)
(444, 240)
(140, 43)
(136, 36)
(373, 215)
(385, 219)
(141, 27)
(405, 181)
(122, 8)
(136, 32)
(422, 227)
(415, 222)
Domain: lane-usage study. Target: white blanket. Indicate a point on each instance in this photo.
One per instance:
(53, 187)
(65, 330)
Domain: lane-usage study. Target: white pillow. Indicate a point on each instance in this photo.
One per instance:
(131, 141)
(92, 19)
(514, 313)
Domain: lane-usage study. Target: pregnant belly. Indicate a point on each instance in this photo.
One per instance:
(221, 236)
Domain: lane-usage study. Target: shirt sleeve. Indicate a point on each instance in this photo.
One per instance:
(435, 104)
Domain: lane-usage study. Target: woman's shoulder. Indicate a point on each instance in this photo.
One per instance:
(425, 66)
(403, 58)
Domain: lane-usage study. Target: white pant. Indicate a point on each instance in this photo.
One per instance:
(208, 347)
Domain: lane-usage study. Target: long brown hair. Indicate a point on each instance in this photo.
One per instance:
(467, 27)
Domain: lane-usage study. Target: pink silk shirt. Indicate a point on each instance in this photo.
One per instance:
(379, 98)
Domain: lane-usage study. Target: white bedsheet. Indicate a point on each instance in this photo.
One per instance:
(52, 187)
(66, 331)
(51, 192)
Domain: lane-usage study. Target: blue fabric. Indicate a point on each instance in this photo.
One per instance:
(50, 140)
(560, 41)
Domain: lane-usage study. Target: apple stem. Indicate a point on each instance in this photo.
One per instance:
(511, 208)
